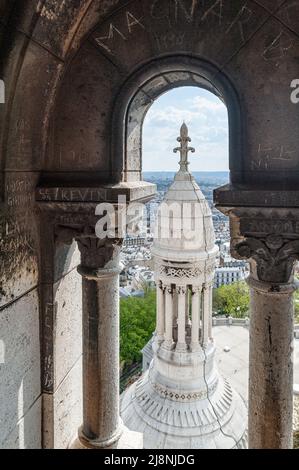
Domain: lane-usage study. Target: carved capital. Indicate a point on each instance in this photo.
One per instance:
(181, 290)
(169, 289)
(196, 290)
(273, 256)
(99, 254)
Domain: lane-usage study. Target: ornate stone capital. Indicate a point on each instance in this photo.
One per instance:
(168, 288)
(273, 256)
(181, 290)
(196, 290)
(98, 254)
(264, 227)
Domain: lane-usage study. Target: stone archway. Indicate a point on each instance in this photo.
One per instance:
(150, 82)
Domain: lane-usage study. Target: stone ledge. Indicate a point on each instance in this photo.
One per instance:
(135, 191)
(238, 196)
(245, 322)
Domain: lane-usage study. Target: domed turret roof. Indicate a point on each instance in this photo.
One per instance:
(184, 227)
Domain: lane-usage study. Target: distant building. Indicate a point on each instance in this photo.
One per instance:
(138, 241)
(123, 278)
(124, 293)
(226, 276)
(147, 277)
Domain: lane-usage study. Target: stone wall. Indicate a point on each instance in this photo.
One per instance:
(62, 353)
(20, 406)
(29, 417)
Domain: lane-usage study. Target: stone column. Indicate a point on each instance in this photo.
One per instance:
(195, 318)
(205, 315)
(168, 317)
(271, 340)
(211, 312)
(264, 227)
(270, 365)
(181, 344)
(160, 312)
(99, 269)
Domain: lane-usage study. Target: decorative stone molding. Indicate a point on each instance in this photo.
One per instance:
(185, 397)
(210, 268)
(178, 273)
(219, 407)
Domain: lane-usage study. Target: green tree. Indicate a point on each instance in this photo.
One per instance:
(137, 324)
(232, 300)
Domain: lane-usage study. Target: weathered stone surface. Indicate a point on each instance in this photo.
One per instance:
(271, 5)
(18, 240)
(271, 368)
(63, 410)
(96, 13)
(82, 100)
(20, 371)
(27, 433)
(67, 258)
(242, 196)
(26, 141)
(124, 38)
(68, 327)
(57, 24)
(271, 129)
(100, 304)
(132, 191)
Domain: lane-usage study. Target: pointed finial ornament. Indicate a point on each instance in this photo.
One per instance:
(184, 149)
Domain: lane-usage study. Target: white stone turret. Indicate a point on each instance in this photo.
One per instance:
(182, 402)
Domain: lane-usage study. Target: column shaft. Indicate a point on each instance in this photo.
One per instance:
(205, 316)
(168, 317)
(160, 312)
(270, 367)
(181, 344)
(211, 311)
(195, 319)
(101, 422)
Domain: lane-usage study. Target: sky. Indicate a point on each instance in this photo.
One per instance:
(206, 118)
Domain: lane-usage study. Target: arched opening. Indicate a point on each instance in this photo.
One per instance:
(207, 118)
(152, 81)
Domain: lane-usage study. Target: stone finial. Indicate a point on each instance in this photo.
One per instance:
(184, 149)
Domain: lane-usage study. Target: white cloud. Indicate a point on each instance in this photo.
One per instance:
(206, 117)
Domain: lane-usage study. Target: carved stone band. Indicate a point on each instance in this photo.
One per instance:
(91, 444)
(93, 274)
(272, 288)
